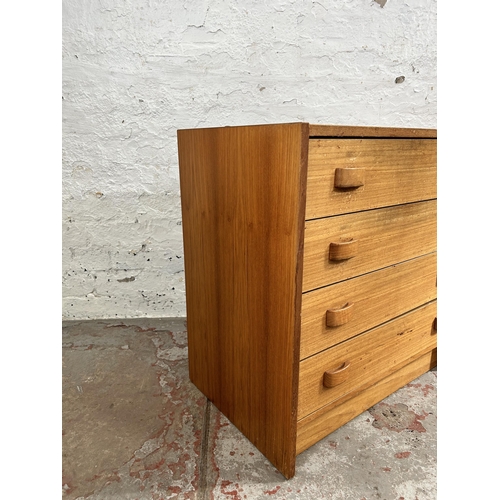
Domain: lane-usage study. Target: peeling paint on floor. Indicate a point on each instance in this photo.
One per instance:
(134, 427)
(396, 417)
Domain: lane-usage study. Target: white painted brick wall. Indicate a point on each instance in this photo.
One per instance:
(135, 71)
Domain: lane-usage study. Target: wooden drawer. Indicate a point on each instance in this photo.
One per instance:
(369, 357)
(375, 297)
(372, 239)
(322, 422)
(392, 172)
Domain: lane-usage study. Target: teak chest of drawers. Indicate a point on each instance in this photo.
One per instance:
(310, 264)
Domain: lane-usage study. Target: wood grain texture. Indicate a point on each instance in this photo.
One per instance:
(342, 249)
(244, 211)
(242, 194)
(383, 237)
(337, 376)
(378, 297)
(339, 316)
(349, 178)
(316, 130)
(373, 356)
(396, 171)
(329, 418)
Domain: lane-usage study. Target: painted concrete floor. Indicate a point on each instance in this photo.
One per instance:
(134, 427)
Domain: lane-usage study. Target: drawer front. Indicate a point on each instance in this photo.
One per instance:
(361, 303)
(344, 246)
(380, 173)
(329, 418)
(365, 359)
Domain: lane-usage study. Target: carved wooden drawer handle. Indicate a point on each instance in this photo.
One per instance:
(434, 328)
(337, 317)
(343, 249)
(349, 177)
(335, 377)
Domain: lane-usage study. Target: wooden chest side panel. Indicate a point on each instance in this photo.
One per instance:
(243, 205)
(394, 171)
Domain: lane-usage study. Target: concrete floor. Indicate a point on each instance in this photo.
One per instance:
(134, 427)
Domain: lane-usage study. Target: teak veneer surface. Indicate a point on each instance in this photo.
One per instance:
(396, 171)
(335, 131)
(249, 194)
(372, 356)
(383, 237)
(319, 424)
(243, 210)
(377, 297)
